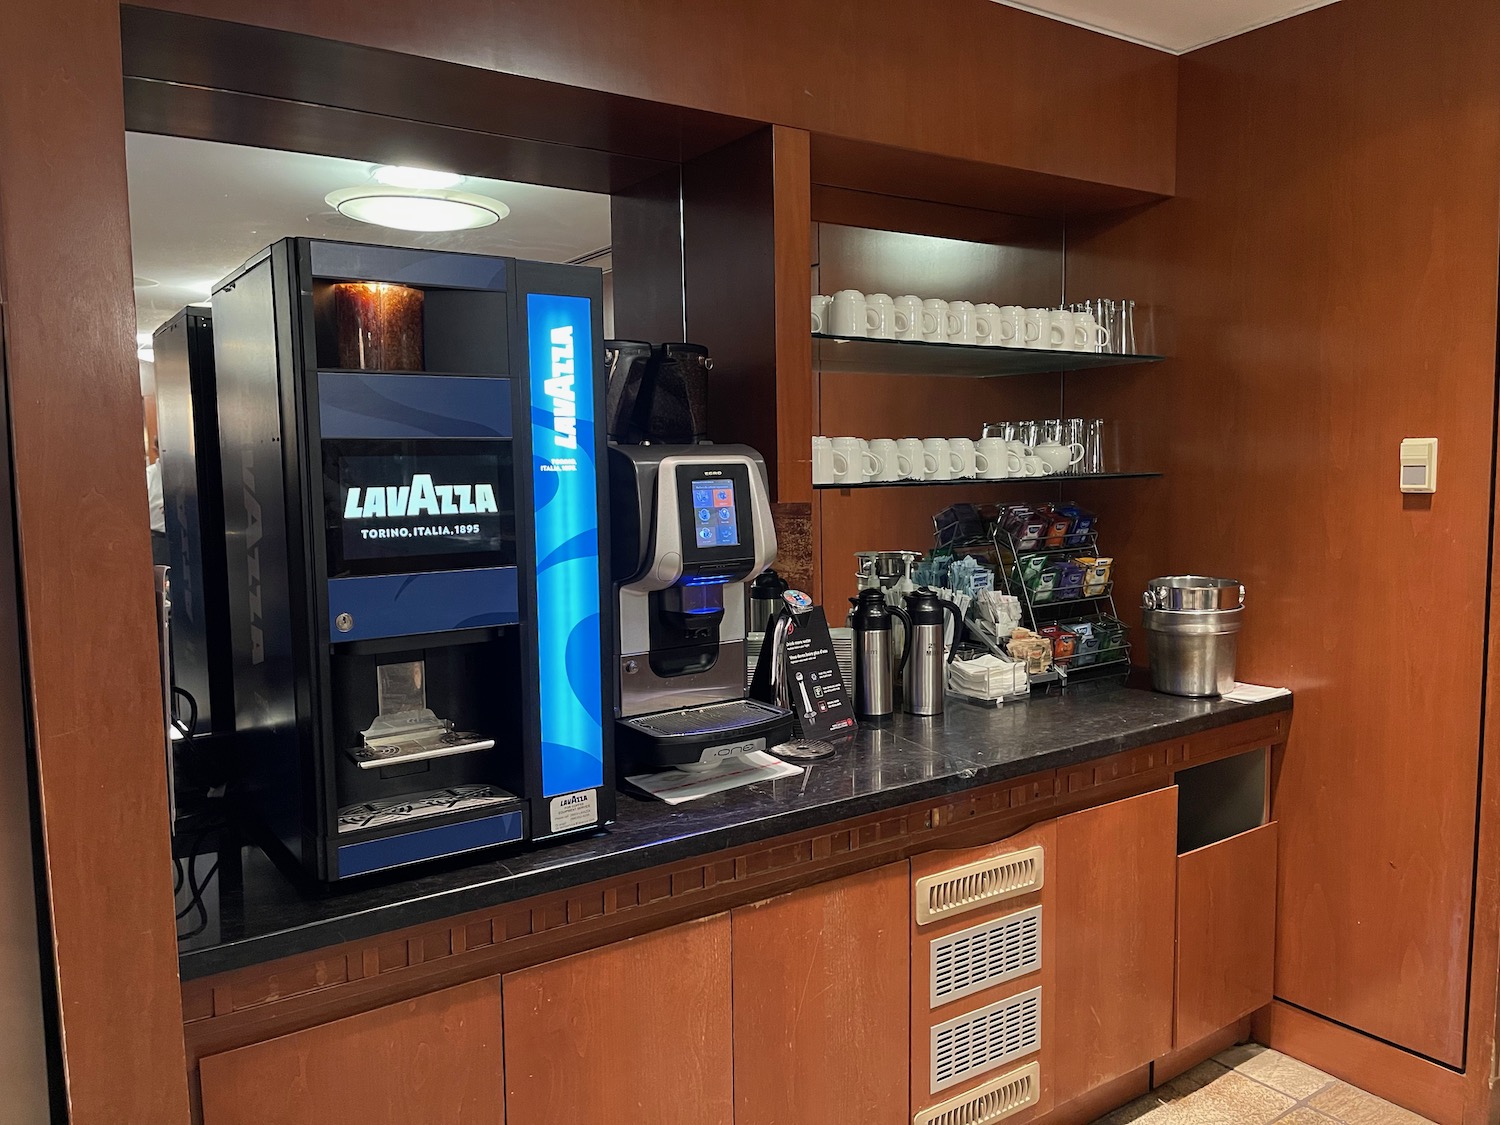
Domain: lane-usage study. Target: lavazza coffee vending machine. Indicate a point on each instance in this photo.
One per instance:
(420, 624)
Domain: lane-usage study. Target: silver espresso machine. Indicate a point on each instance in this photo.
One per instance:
(690, 529)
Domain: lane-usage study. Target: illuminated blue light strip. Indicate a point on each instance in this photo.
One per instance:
(570, 669)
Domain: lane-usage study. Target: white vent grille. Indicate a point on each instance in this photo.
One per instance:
(984, 1039)
(991, 953)
(994, 1101)
(976, 884)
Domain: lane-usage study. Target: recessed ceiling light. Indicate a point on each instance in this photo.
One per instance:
(403, 175)
(408, 209)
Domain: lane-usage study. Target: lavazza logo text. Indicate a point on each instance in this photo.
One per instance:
(559, 388)
(420, 498)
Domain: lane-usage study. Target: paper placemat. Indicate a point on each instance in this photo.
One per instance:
(676, 786)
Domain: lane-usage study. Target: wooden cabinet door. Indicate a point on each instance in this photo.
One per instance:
(435, 1059)
(1114, 890)
(635, 1033)
(821, 985)
(1226, 932)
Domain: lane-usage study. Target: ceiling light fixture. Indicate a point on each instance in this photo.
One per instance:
(411, 209)
(405, 176)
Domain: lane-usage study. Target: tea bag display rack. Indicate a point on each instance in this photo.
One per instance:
(869, 356)
(1062, 609)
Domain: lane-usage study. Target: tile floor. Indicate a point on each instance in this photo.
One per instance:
(1253, 1085)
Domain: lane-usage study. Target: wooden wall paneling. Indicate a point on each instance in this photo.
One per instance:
(792, 232)
(28, 1066)
(1425, 1087)
(900, 83)
(851, 208)
(235, 117)
(820, 1003)
(1226, 932)
(434, 1058)
(745, 242)
(645, 229)
(84, 561)
(1114, 888)
(1283, 400)
(636, 1031)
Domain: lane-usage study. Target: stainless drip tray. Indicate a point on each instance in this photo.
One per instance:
(416, 806)
(715, 718)
(417, 747)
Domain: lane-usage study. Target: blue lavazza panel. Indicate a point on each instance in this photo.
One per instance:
(429, 843)
(413, 406)
(399, 605)
(560, 349)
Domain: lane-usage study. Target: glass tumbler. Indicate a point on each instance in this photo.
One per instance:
(1093, 448)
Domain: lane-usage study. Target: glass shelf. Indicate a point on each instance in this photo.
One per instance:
(974, 361)
(1055, 478)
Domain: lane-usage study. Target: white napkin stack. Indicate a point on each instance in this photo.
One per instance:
(987, 677)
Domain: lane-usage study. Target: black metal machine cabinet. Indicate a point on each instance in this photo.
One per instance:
(420, 620)
(187, 428)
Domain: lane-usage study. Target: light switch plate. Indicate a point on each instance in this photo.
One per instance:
(1419, 458)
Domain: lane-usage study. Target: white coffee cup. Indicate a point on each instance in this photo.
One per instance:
(820, 305)
(1058, 457)
(850, 314)
(894, 465)
(1065, 333)
(1095, 335)
(852, 462)
(1034, 466)
(961, 327)
(882, 316)
(822, 460)
(908, 317)
(947, 464)
(937, 321)
(919, 463)
(1019, 451)
(1036, 328)
(966, 456)
(1011, 330)
(1000, 462)
(987, 325)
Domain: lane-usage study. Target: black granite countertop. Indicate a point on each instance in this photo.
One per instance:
(256, 914)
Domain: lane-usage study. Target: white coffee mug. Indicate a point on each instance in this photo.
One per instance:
(852, 462)
(1095, 335)
(822, 461)
(1058, 457)
(820, 305)
(1011, 330)
(946, 464)
(919, 464)
(987, 325)
(961, 327)
(894, 465)
(882, 316)
(1018, 451)
(1000, 462)
(1034, 466)
(1065, 335)
(908, 317)
(1036, 329)
(850, 314)
(937, 321)
(966, 456)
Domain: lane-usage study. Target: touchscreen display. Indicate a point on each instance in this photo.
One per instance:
(415, 505)
(714, 516)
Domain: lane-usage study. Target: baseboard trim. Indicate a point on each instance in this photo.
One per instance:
(1388, 1072)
